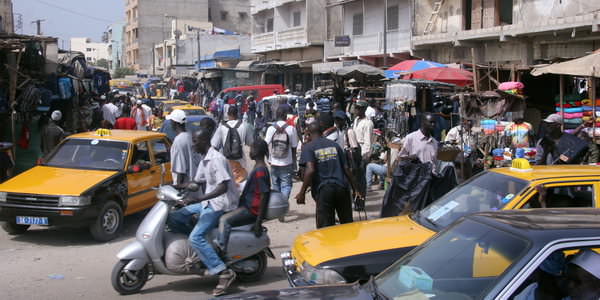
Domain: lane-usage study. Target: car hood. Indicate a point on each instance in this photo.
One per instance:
(322, 245)
(329, 292)
(55, 181)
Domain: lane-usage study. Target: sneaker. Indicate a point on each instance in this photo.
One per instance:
(226, 278)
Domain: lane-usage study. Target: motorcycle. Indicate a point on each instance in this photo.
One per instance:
(158, 251)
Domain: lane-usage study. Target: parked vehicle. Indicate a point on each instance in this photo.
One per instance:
(359, 250)
(90, 179)
(167, 106)
(156, 251)
(190, 110)
(258, 91)
(483, 256)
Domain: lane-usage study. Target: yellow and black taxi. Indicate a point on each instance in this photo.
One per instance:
(490, 255)
(359, 250)
(190, 110)
(167, 106)
(90, 179)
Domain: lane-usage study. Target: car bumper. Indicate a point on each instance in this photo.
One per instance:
(56, 215)
(294, 277)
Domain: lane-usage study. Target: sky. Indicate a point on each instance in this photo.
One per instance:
(69, 18)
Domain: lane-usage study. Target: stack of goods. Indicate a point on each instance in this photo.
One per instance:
(588, 111)
(488, 126)
(572, 111)
(512, 87)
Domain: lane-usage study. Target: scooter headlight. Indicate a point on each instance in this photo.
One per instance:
(160, 195)
(320, 276)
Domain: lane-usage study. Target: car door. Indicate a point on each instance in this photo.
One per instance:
(563, 194)
(140, 181)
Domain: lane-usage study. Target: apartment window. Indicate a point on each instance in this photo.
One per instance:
(243, 15)
(269, 25)
(296, 16)
(88, 58)
(393, 17)
(223, 15)
(88, 49)
(504, 12)
(357, 24)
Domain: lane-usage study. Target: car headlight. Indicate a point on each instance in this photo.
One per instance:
(3, 196)
(320, 276)
(74, 200)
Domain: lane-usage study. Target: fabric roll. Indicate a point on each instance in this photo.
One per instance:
(572, 115)
(571, 110)
(573, 121)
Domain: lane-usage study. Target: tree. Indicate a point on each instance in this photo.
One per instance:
(122, 72)
(102, 63)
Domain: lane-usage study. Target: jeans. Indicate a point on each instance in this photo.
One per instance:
(208, 219)
(332, 199)
(377, 169)
(281, 179)
(239, 217)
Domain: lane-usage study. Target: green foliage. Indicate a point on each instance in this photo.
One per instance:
(122, 72)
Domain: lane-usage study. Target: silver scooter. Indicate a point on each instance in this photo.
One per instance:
(149, 254)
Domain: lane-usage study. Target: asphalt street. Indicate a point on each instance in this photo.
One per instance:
(66, 263)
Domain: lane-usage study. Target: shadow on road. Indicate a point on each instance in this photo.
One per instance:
(59, 236)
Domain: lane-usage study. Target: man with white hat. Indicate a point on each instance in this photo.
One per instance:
(184, 160)
(141, 114)
(583, 276)
(52, 134)
(556, 146)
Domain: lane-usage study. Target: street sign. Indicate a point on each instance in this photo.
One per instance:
(342, 41)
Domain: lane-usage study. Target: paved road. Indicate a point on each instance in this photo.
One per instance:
(33, 264)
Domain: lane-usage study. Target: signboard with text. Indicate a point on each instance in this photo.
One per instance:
(342, 41)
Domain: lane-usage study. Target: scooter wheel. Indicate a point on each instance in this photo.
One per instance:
(257, 274)
(128, 283)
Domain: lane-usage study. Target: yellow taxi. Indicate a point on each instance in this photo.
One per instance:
(90, 179)
(355, 251)
(167, 106)
(190, 110)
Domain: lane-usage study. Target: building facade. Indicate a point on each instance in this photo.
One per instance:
(114, 35)
(360, 23)
(147, 23)
(289, 34)
(231, 15)
(6, 17)
(92, 51)
(518, 33)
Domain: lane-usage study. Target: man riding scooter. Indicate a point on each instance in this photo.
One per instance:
(220, 196)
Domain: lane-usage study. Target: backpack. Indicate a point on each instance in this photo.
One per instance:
(232, 149)
(280, 142)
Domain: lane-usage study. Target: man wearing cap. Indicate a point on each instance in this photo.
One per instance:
(363, 130)
(52, 134)
(556, 147)
(184, 160)
(141, 113)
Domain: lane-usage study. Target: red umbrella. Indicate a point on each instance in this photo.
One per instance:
(449, 75)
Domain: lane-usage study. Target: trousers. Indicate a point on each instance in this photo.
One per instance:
(332, 199)
(238, 217)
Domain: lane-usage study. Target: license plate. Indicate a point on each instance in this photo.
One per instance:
(32, 220)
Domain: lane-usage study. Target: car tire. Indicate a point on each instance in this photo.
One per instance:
(108, 224)
(13, 228)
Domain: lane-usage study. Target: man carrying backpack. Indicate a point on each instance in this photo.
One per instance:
(282, 141)
(230, 138)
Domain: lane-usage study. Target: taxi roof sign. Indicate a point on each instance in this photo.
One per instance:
(103, 132)
(521, 165)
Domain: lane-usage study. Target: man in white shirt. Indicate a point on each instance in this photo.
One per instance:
(220, 196)
(282, 141)
(110, 112)
(420, 143)
(141, 114)
(363, 130)
(246, 135)
(184, 160)
(371, 112)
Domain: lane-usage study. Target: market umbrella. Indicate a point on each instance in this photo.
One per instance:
(360, 72)
(411, 65)
(449, 75)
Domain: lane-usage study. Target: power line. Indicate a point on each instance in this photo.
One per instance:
(74, 12)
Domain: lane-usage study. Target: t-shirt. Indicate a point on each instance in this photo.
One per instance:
(246, 132)
(259, 182)
(519, 134)
(213, 170)
(125, 123)
(184, 160)
(292, 139)
(329, 162)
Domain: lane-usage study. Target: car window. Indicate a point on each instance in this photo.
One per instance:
(564, 196)
(140, 153)
(161, 151)
(446, 266)
(89, 154)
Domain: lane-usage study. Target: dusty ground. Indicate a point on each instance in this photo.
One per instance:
(63, 263)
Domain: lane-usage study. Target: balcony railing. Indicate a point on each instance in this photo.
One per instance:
(289, 38)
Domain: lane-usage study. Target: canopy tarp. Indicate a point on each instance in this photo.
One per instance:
(360, 71)
(586, 66)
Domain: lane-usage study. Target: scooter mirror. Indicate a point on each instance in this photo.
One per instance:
(192, 187)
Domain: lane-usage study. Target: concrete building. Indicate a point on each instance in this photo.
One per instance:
(6, 17)
(289, 34)
(360, 23)
(517, 33)
(92, 51)
(115, 45)
(232, 15)
(147, 23)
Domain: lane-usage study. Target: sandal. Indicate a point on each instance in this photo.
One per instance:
(226, 278)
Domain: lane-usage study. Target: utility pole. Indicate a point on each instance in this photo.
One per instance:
(38, 22)
(385, 17)
(198, 40)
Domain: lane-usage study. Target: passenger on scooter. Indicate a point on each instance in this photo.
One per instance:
(253, 200)
(221, 195)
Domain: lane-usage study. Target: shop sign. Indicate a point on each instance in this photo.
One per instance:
(342, 41)
(242, 75)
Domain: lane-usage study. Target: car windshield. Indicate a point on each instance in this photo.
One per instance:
(488, 191)
(90, 154)
(193, 112)
(461, 263)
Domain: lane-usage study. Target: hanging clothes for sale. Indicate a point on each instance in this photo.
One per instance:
(65, 88)
(410, 188)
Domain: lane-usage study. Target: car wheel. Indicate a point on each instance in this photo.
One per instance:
(254, 275)
(128, 282)
(108, 223)
(13, 228)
